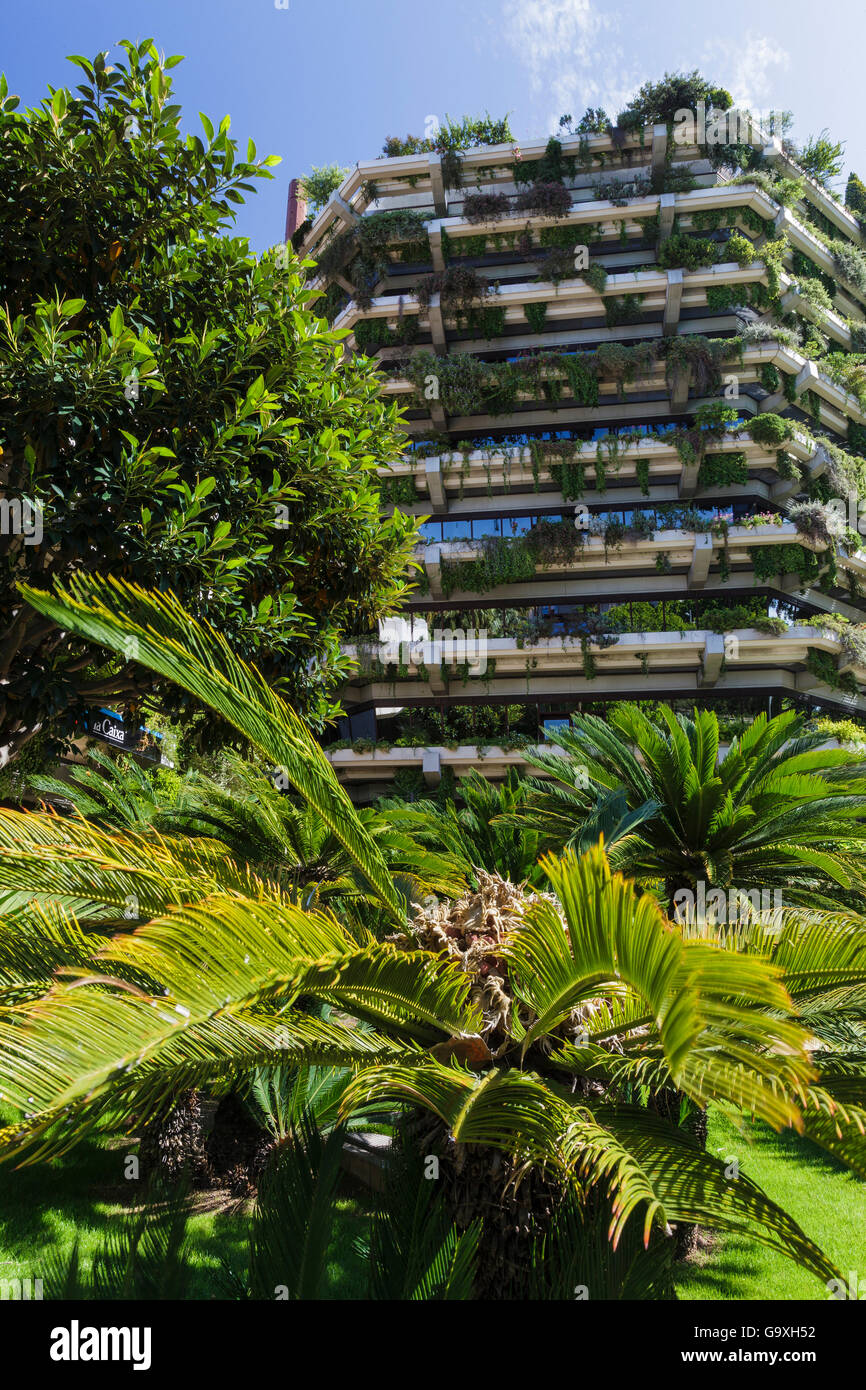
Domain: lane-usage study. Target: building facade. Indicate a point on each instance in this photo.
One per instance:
(631, 385)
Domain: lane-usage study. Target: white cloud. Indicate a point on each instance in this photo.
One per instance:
(567, 48)
(743, 65)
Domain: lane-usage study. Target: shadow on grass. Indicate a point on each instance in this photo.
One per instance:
(826, 1200)
(46, 1207)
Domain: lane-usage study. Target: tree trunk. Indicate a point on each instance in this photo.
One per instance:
(237, 1147)
(173, 1146)
(514, 1207)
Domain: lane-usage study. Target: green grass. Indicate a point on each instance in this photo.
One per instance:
(827, 1201)
(48, 1206)
(45, 1208)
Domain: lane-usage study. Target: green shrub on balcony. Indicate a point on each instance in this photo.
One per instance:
(372, 334)
(769, 562)
(623, 308)
(738, 249)
(727, 618)
(682, 252)
(485, 207)
(804, 268)
(721, 297)
(362, 250)
(815, 300)
(395, 490)
(459, 288)
(852, 636)
(823, 666)
(535, 315)
(850, 263)
(842, 730)
(723, 470)
(545, 200)
(770, 429)
(553, 167)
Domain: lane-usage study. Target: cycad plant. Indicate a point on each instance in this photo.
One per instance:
(547, 1036)
(487, 826)
(475, 830)
(281, 836)
(776, 813)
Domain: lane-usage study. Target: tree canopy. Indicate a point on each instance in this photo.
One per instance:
(172, 409)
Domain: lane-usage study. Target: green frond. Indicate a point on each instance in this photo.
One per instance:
(168, 640)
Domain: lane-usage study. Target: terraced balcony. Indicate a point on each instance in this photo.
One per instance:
(648, 422)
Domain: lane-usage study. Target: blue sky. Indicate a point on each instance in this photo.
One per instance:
(325, 81)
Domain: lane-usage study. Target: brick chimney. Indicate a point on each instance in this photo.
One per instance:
(296, 212)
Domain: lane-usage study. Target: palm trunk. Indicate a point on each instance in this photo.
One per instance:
(173, 1147)
(515, 1207)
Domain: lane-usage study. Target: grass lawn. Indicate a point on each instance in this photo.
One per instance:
(827, 1201)
(50, 1205)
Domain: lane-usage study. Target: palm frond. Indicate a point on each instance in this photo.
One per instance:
(164, 637)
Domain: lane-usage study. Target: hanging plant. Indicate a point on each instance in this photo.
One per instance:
(770, 561)
(458, 287)
(545, 200)
(582, 372)
(535, 315)
(485, 207)
(723, 470)
(702, 357)
(622, 364)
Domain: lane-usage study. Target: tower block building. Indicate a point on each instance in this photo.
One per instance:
(630, 380)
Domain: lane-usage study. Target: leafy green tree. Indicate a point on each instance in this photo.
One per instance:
(677, 91)
(281, 837)
(491, 831)
(855, 194)
(321, 182)
(172, 410)
(821, 157)
(594, 121)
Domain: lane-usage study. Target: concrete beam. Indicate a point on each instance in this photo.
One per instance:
(433, 568)
(437, 325)
(673, 301)
(435, 486)
(817, 464)
(701, 560)
(806, 378)
(345, 213)
(714, 655)
(667, 209)
(438, 186)
(688, 479)
(431, 767)
(773, 151)
(659, 149)
(434, 235)
(679, 392)
(784, 489)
